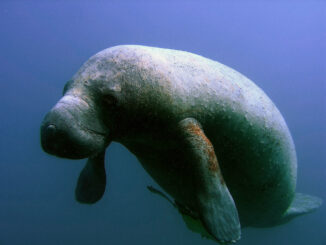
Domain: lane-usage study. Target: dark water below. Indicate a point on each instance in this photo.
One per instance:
(281, 46)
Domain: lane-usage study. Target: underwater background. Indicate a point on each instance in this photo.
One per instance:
(280, 45)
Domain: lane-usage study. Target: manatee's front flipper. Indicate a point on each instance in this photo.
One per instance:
(301, 204)
(92, 180)
(215, 204)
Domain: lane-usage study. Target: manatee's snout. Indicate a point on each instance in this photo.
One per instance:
(71, 130)
(58, 139)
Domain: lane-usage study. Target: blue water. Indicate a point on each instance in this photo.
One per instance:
(281, 46)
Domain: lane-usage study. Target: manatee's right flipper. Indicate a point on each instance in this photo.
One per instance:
(301, 204)
(92, 180)
(215, 204)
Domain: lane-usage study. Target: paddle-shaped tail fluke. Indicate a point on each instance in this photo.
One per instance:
(301, 204)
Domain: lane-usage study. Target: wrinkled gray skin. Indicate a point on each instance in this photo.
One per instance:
(173, 110)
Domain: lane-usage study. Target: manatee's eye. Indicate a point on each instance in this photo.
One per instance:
(67, 86)
(110, 100)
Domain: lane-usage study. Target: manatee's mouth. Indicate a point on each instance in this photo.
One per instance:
(92, 131)
(85, 143)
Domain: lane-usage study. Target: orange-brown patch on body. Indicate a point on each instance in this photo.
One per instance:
(195, 129)
(213, 165)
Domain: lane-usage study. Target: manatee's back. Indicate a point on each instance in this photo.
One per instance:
(250, 137)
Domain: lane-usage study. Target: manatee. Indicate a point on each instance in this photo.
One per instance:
(208, 136)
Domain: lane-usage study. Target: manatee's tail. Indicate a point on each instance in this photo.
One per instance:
(301, 204)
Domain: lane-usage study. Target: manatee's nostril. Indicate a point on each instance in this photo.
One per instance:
(48, 137)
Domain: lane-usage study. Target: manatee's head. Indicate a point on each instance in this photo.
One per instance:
(85, 119)
(75, 127)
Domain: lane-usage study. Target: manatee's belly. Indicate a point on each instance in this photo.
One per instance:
(175, 177)
(166, 163)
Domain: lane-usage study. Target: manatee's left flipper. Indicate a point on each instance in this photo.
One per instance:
(215, 204)
(92, 180)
